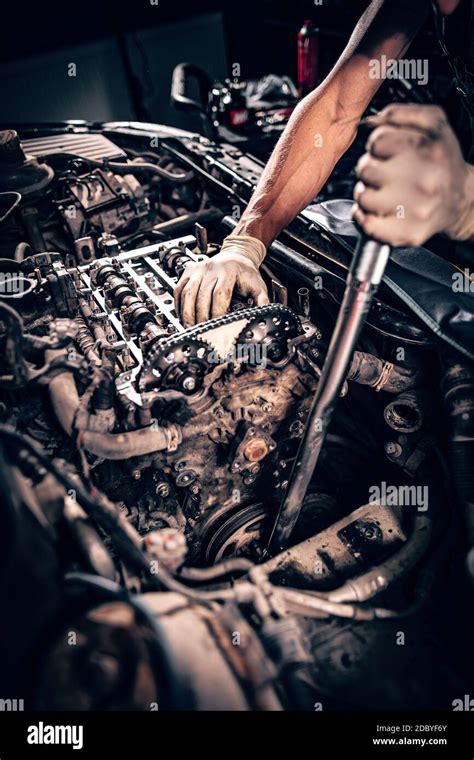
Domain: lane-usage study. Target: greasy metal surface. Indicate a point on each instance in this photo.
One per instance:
(236, 423)
(147, 275)
(326, 559)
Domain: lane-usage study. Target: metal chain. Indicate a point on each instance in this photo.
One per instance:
(162, 346)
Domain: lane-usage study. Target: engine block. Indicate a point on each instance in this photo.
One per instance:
(214, 412)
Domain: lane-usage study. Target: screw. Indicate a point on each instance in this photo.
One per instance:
(393, 449)
(296, 428)
(370, 532)
(189, 383)
(162, 489)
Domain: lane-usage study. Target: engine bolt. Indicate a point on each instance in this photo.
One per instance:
(267, 406)
(136, 474)
(296, 428)
(189, 383)
(370, 532)
(162, 489)
(393, 449)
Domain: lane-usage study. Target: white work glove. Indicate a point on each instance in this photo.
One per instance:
(205, 288)
(413, 180)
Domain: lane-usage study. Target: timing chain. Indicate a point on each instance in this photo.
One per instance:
(156, 351)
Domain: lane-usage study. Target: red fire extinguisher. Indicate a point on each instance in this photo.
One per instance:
(308, 55)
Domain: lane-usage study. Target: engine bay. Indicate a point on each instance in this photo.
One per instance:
(144, 463)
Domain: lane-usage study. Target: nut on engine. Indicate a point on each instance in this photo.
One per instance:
(255, 444)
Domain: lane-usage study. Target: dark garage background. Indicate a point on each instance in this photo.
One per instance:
(125, 51)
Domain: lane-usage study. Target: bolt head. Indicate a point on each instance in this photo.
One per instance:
(189, 383)
(393, 449)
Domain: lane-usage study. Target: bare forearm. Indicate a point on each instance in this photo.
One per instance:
(320, 130)
(313, 141)
(324, 124)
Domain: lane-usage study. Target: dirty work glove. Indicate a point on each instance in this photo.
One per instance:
(205, 288)
(413, 180)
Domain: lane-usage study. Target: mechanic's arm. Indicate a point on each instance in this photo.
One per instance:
(319, 131)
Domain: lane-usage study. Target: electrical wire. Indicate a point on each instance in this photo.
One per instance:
(234, 565)
(15, 203)
(127, 168)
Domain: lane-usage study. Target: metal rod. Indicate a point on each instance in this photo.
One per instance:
(364, 277)
(303, 302)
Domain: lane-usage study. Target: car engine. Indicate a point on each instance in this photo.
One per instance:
(143, 462)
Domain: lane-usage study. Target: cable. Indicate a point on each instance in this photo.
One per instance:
(13, 348)
(20, 251)
(309, 605)
(104, 512)
(172, 584)
(127, 168)
(236, 565)
(216, 182)
(15, 203)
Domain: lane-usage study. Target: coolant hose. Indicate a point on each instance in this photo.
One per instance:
(133, 443)
(368, 369)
